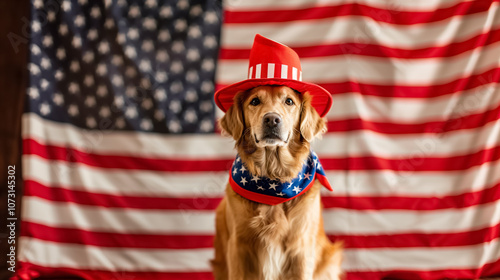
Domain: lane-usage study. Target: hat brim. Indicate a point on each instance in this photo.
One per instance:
(321, 98)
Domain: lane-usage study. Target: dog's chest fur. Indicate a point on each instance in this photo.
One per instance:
(280, 232)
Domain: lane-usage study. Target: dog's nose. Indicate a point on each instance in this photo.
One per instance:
(272, 120)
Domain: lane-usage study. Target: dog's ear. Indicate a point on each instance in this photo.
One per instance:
(311, 124)
(231, 123)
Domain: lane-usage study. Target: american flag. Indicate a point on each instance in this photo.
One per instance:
(123, 170)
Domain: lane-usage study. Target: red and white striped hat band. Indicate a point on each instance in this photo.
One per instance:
(271, 70)
(272, 63)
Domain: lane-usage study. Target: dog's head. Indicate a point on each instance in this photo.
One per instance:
(272, 116)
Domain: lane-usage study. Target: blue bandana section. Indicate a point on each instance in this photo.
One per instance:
(272, 192)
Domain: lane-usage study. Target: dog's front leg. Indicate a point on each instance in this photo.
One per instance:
(240, 261)
(301, 264)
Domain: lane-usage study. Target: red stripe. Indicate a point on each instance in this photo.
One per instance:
(367, 49)
(61, 194)
(420, 240)
(489, 77)
(118, 240)
(487, 270)
(32, 147)
(414, 163)
(62, 273)
(465, 122)
(355, 9)
(464, 200)
(158, 241)
(25, 269)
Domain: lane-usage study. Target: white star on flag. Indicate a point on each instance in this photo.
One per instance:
(243, 180)
(44, 108)
(235, 170)
(260, 188)
(272, 186)
(307, 176)
(243, 169)
(280, 194)
(289, 186)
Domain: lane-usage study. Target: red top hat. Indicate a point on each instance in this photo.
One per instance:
(272, 63)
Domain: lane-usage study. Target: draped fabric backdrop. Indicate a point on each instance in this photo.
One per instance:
(123, 169)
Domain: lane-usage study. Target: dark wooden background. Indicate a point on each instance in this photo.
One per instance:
(14, 34)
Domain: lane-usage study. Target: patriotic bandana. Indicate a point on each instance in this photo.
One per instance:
(272, 192)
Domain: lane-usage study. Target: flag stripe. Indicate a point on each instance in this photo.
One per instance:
(490, 76)
(488, 269)
(356, 9)
(449, 144)
(86, 217)
(115, 239)
(92, 257)
(341, 221)
(466, 122)
(164, 241)
(375, 70)
(291, 4)
(412, 110)
(174, 260)
(416, 163)
(211, 185)
(421, 259)
(95, 274)
(367, 49)
(60, 194)
(360, 29)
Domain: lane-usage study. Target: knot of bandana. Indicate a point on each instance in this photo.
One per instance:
(272, 192)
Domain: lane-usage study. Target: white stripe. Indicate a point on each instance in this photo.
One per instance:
(294, 73)
(355, 143)
(358, 222)
(300, 77)
(212, 184)
(415, 110)
(413, 184)
(257, 71)
(186, 221)
(122, 220)
(270, 70)
(424, 259)
(383, 70)
(125, 143)
(250, 72)
(284, 71)
(408, 146)
(413, 6)
(363, 30)
(81, 177)
(50, 254)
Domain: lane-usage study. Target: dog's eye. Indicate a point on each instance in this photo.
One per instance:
(289, 101)
(255, 102)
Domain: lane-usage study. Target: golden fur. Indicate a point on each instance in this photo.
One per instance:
(284, 241)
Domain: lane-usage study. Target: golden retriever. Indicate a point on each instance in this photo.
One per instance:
(273, 127)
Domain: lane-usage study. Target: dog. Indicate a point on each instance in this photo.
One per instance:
(273, 127)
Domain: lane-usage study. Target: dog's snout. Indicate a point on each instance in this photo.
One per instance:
(272, 120)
